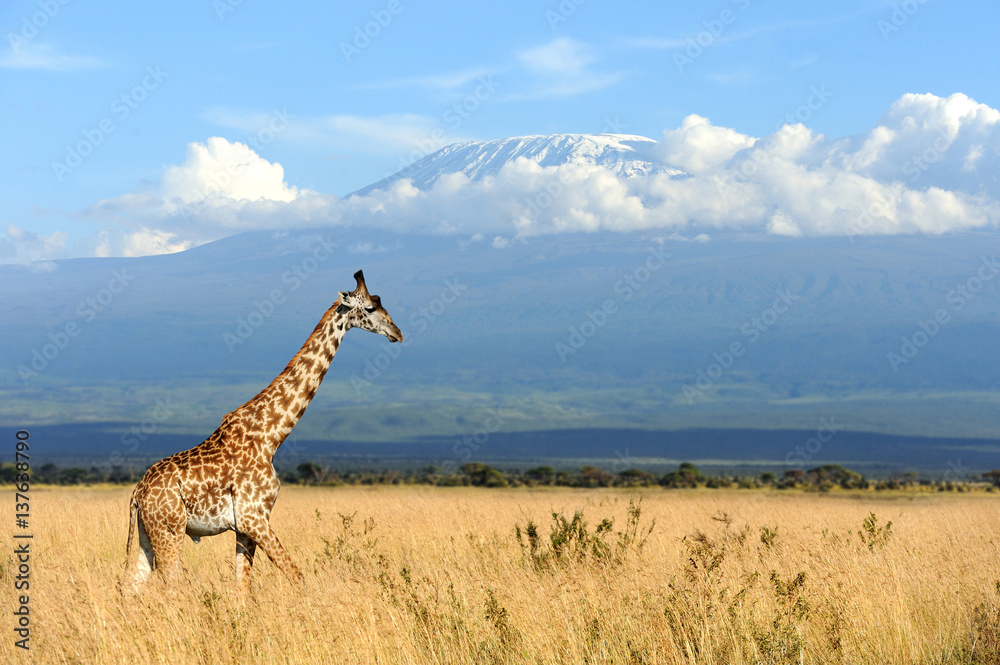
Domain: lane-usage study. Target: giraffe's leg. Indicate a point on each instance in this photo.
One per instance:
(255, 525)
(167, 546)
(164, 519)
(245, 549)
(144, 561)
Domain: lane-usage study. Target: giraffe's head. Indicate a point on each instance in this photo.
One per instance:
(365, 311)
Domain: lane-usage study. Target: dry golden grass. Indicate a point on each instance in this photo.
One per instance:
(440, 577)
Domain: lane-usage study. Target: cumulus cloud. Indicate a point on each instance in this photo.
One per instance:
(225, 172)
(32, 249)
(698, 146)
(142, 242)
(219, 189)
(930, 165)
(564, 68)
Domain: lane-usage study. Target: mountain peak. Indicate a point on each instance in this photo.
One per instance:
(624, 154)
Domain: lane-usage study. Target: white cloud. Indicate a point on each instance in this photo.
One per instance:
(930, 165)
(219, 189)
(448, 81)
(562, 68)
(366, 248)
(926, 139)
(561, 56)
(781, 224)
(32, 249)
(804, 61)
(142, 242)
(224, 171)
(44, 56)
(728, 35)
(393, 134)
(698, 145)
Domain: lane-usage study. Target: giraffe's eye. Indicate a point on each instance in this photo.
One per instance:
(370, 310)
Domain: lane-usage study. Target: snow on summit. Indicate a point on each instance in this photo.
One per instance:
(624, 155)
(929, 165)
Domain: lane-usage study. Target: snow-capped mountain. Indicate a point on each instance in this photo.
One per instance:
(625, 155)
(603, 329)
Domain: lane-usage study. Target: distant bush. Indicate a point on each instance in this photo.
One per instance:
(542, 475)
(477, 474)
(481, 475)
(686, 475)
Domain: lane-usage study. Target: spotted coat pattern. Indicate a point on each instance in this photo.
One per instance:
(228, 482)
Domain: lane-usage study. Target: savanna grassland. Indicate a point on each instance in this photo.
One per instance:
(456, 575)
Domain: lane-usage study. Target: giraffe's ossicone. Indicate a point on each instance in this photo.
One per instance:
(228, 482)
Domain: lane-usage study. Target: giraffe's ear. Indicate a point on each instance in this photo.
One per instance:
(346, 302)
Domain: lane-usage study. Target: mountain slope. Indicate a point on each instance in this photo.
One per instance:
(530, 326)
(605, 330)
(626, 155)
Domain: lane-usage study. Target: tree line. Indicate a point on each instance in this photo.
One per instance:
(476, 474)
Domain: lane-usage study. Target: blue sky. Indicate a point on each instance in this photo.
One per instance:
(140, 83)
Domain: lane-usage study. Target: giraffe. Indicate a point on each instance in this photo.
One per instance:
(228, 482)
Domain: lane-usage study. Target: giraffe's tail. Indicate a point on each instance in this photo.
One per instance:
(133, 514)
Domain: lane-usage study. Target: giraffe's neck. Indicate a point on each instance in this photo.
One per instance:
(270, 416)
